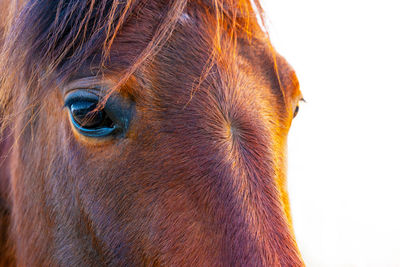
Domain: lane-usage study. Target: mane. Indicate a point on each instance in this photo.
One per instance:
(46, 37)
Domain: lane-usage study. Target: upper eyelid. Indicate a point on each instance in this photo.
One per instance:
(79, 95)
(89, 83)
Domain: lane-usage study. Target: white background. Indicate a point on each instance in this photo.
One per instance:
(344, 146)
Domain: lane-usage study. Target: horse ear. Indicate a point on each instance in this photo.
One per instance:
(289, 83)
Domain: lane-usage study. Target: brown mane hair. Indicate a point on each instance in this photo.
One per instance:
(45, 44)
(67, 33)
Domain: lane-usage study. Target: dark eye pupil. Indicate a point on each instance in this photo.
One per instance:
(85, 114)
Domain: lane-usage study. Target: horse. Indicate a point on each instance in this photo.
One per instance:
(143, 133)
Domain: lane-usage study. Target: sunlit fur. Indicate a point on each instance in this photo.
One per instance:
(199, 179)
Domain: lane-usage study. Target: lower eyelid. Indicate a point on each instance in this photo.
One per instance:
(101, 132)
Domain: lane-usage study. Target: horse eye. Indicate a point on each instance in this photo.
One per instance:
(87, 118)
(296, 110)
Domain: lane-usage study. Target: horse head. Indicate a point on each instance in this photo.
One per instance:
(146, 133)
